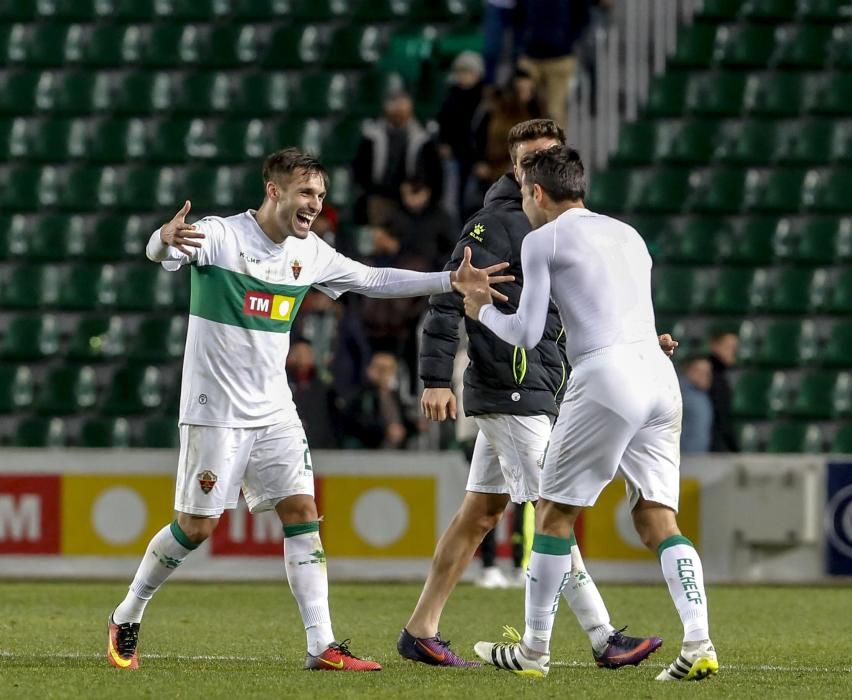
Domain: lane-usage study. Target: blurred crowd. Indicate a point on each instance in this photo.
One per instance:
(353, 362)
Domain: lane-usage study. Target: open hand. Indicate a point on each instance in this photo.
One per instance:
(467, 278)
(179, 234)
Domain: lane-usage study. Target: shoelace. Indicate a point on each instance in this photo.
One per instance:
(511, 634)
(343, 648)
(128, 636)
(616, 636)
(445, 643)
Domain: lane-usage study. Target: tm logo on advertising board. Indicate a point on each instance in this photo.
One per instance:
(838, 520)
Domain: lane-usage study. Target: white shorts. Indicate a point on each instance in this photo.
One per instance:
(508, 454)
(621, 414)
(269, 463)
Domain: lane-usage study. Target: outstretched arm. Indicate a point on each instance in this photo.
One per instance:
(526, 326)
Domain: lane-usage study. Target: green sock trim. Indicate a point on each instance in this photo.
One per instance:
(548, 544)
(671, 542)
(572, 541)
(301, 528)
(180, 536)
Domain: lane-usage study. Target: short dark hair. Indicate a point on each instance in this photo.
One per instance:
(288, 161)
(558, 171)
(532, 130)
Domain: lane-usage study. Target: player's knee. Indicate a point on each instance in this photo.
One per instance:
(197, 530)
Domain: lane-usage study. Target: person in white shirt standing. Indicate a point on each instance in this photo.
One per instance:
(238, 423)
(621, 413)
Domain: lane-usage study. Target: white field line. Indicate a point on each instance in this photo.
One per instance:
(566, 664)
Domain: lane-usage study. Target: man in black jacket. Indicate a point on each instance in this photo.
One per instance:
(514, 395)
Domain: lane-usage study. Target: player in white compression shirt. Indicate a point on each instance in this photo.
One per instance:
(238, 424)
(621, 412)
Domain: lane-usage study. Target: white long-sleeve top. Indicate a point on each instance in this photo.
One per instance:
(598, 271)
(246, 292)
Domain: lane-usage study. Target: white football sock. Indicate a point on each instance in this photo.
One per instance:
(685, 577)
(304, 559)
(547, 574)
(586, 603)
(166, 552)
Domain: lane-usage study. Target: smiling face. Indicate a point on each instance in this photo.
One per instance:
(297, 200)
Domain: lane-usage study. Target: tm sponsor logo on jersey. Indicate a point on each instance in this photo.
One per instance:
(275, 306)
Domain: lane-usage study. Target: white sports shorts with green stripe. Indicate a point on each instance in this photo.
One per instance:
(269, 463)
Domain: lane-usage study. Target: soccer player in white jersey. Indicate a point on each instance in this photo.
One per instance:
(621, 413)
(238, 423)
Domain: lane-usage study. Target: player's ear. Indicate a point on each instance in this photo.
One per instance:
(272, 190)
(538, 194)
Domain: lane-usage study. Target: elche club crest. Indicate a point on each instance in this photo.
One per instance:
(296, 267)
(207, 480)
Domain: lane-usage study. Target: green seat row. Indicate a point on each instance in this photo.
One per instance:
(758, 46)
(794, 342)
(786, 437)
(95, 338)
(816, 394)
(777, 10)
(723, 190)
(757, 94)
(738, 291)
(95, 431)
(735, 142)
(206, 93)
(176, 140)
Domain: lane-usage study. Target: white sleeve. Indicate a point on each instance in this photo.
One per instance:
(343, 274)
(526, 326)
(172, 259)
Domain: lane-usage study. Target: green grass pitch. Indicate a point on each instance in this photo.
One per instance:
(245, 641)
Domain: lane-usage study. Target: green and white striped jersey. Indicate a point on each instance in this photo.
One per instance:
(246, 292)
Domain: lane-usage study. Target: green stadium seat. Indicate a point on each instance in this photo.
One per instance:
(790, 292)
(746, 142)
(159, 339)
(323, 10)
(840, 300)
(80, 190)
(163, 45)
(211, 189)
(365, 95)
(160, 432)
(787, 343)
(38, 44)
(191, 9)
(842, 442)
(824, 10)
(298, 46)
(16, 388)
(110, 46)
(319, 93)
(662, 190)
(17, 10)
(802, 143)
(828, 190)
(111, 140)
(774, 94)
(691, 240)
(40, 432)
(261, 9)
(776, 190)
(66, 390)
(715, 94)
(790, 438)
(720, 10)
(759, 393)
(636, 142)
(843, 242)
(691, 142)
(841, 396)
(667, 95)
(30, 287)
(733, 292)
(440, 10)
(809, 241)
(23, 189)
(204, 93)
(157, 187)
(771, 10)
(97, 338)
(231, 46)
(609, 191)
(237, 141)
(114, 236)
(30, 338)
(827, 93)
(46, 140)
(340, 142)
(260, 94)
(57, 237)
(145, 287)
(749, 438)
(139, 92)
(744, 46)
(248, 185)
(304, 134)
(341, 193)
(674, 289)
(839, 48)
(815, 395)
(88, 286)
(355, 47)
(694, 46)
(70, 9)
(748, 242)
(716, 191)
(838, 350)
(18, 91)
(803, 46)
(841, 141)
(104, 432)
(67, 92)
(169, 139)
(651, 228)
(134, 389)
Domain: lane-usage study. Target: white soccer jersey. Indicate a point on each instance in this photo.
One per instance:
(246, 292)
(598, 271)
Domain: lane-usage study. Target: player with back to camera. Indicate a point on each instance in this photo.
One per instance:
(238, 424)
(514, 395)
(622, 406)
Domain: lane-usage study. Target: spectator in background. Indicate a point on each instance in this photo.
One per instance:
(423, 226)
(515, 102)
(549, 32)
(393, 148)
(696, 378)
(723, 356)
(313, 398)
(454, 122)
(502, 17)
(375, 417)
